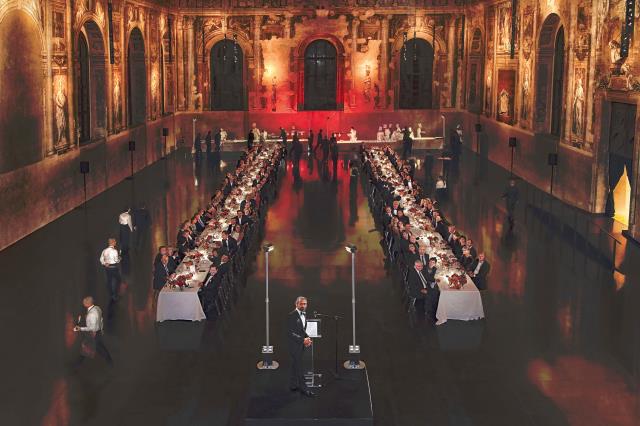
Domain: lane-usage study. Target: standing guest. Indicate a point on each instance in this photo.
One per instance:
(296, 148)
(283, 136)
(207, 141)
(110, 260)
(457, 140)
(310, 141)
(126, 229)
(93, 330)
(407, 144)
(298, 341)
(479, 271)
(511, 196)
(197, 148)
(250, 138)
(325, 150)
(319, 140)
(333, 143)
(217, 138)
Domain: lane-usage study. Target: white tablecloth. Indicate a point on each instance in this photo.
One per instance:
(179, 305)
(464, 304)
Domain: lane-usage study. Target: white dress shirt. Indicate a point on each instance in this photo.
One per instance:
(109, 257)
(125, 219)
(93, 320)
(303, 318)
(475, 272)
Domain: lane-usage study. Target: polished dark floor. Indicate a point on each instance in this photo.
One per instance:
(560, 344)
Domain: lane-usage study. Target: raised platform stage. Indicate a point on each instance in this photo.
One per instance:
(345, 401)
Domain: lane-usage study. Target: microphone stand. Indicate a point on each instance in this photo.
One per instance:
(335, 318)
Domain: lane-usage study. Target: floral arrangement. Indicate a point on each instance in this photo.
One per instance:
(180, 281)
(457, 281)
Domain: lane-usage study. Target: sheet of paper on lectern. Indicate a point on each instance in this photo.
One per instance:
(312, 329)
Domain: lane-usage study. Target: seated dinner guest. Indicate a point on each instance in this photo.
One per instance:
(208, 288)
(229, 245)
(422, 287)
(479, 270)
(162, 272)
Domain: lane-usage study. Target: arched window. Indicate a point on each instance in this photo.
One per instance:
(137, 78)
(227, 81)
(416, 74)
(91, 99)
(320, 76)
(550, 77)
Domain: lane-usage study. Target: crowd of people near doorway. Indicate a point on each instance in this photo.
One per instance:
(226, 230)
(402, 247)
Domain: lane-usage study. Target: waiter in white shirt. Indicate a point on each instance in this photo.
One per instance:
(126, 228)
(93, 330)
(110, 260)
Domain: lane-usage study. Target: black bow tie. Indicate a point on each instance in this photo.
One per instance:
(303, 313)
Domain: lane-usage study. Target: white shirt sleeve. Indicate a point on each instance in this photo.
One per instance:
(93, 321)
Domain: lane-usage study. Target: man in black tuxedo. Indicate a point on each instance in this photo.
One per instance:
(208, 289)
(298, 340)
(162, 272)
(243, 219)
(418, 284)
(479, 271)
(229, 244)
(433, 291)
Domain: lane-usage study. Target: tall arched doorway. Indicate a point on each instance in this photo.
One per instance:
(416, 74)
(550, 77)
(91, 100)
(320, 76)
(227, 81)
(21, 91)
(137, 78)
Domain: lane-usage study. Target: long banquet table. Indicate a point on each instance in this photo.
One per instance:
(177, 304)
(458, 304)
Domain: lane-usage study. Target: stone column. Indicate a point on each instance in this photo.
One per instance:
(352, 61)
(384, 62)
(257, 62)
(178, 64)
(190, 59)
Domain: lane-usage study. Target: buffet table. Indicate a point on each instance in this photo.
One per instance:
(459, 296)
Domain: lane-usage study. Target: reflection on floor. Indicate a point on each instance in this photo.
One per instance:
(560, 345)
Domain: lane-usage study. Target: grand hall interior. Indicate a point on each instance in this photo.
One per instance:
(327, 212)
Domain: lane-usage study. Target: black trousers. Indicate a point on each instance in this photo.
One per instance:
(113, 280)
(125, 237)
(101, 350)
(296, 379)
